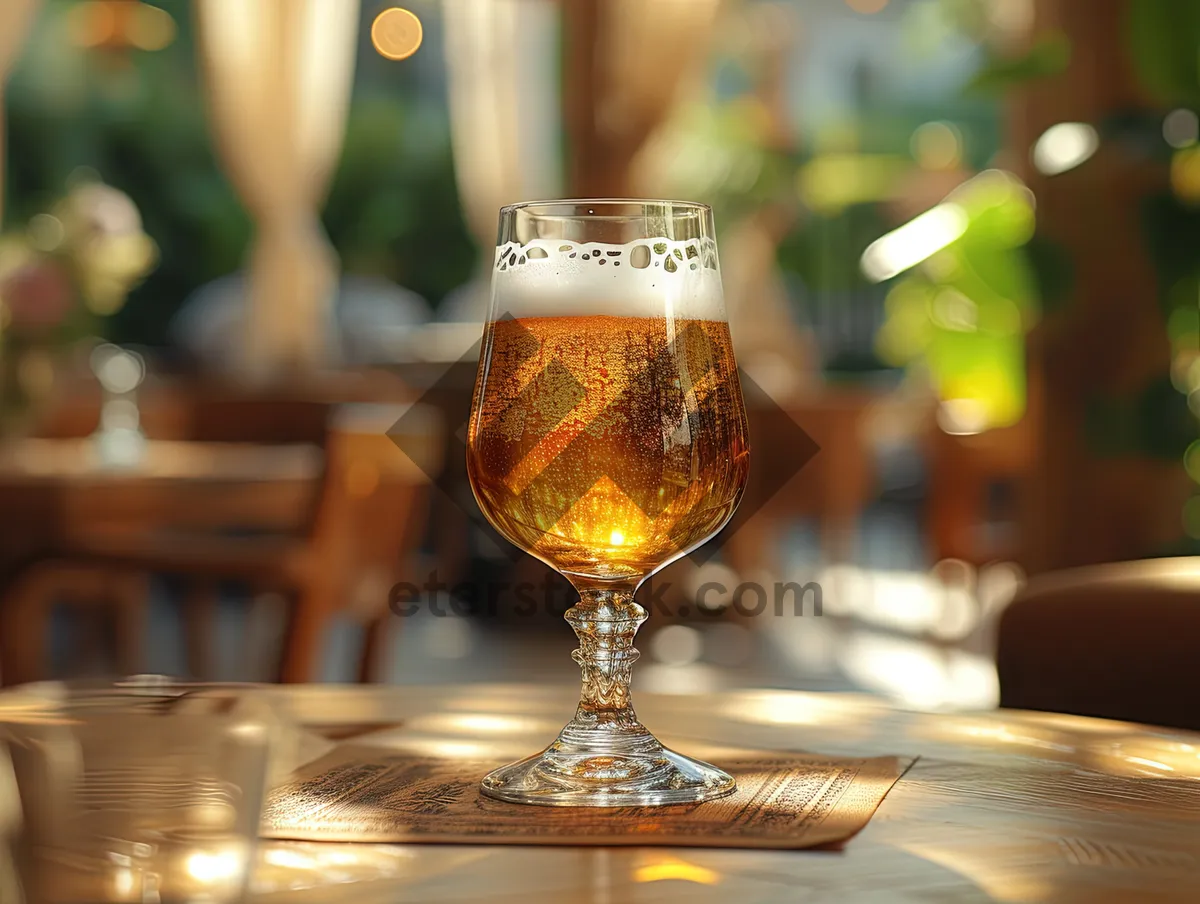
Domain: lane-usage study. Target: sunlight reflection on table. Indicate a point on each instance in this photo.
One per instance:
(291, 866)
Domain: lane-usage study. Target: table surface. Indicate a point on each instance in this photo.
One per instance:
(1001, 806)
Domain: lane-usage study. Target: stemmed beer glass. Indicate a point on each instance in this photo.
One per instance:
(607, 438)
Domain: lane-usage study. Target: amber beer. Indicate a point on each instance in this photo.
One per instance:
(607, 445)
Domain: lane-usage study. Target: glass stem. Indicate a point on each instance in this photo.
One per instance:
(605, 620)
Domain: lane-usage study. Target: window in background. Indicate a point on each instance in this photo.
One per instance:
(136, 118)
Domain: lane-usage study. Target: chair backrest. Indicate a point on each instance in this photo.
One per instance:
(299, 413)
(1116, 641)
(381, 461)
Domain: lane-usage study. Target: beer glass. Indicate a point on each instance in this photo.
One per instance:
(607, 438)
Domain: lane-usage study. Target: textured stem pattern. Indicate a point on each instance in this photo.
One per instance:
(605, 621)
(604, 756)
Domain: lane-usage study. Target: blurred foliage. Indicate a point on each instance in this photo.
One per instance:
(932, 23)
(720, 152)
(1148, 424)
(1049, 55)
(393, 208)
(825, 252)
(970, 18)
(1172, 229)
(1164, 44)
(830, 183)
(960, 316)
(72, 264)
(1163, 39)
(1164, 422)
(1138, 134)
(137, 120)
(1053, 271)
(1160, 420)
(962, 313)
(61, 273)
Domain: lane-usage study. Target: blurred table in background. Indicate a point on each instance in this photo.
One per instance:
(59, 492)
(62, 503)
(1002, 806)
(311, 492)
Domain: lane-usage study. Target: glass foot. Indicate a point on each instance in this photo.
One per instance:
(632, 770)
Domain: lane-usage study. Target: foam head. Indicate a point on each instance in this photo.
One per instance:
(648, 277)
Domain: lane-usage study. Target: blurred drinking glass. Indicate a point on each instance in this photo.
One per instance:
(607, 438)
(135, 798)
(119, 439)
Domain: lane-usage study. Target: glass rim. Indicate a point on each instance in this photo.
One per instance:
(696, 207)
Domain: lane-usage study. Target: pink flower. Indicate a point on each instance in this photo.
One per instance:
(38, 295)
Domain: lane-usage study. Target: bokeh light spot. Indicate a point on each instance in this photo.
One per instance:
(1185, 174)
(1181, 128)
(962, 417)
(1191, 461)
(1064, 146)
(396, 33)
(937, 146)
(914, 242)
(677, 645)
(46, 232)
(151, 29)
(120, 24)
(91, 24)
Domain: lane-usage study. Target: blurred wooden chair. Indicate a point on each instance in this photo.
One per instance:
(835, 486)
(59, 496)
(1115, 641)
(368, 529)
(92, 591)
(964, 469)
(365, 524)
(187, 416)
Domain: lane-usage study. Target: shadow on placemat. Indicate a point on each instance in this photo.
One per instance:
(783, 801)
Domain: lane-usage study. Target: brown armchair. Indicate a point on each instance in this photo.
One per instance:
(1117, 641)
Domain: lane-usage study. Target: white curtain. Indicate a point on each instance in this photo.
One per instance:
(650, 48)
(503, 106)
(629, 62)
(16, 17)
(278, 75)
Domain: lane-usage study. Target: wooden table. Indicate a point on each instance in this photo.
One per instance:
(1001, 806)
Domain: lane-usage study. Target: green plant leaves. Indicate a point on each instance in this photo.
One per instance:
(1053, 272)
(1172, 230)
(1164, 42)
(1164, 424)
(1049, 55)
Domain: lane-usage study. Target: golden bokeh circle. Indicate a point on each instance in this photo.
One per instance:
(396, 33)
